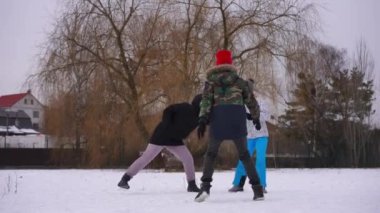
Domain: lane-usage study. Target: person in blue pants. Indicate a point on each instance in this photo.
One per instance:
(257, 141)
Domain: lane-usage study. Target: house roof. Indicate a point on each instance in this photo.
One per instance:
(10, 100)
(13, 114)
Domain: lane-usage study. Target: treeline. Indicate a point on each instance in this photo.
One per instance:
(331, 108)
(109, 67)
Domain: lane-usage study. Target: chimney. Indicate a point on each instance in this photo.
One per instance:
(29, 91)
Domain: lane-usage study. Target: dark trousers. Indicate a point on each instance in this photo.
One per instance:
(212, 152)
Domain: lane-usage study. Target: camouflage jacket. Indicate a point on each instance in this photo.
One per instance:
(225, 87)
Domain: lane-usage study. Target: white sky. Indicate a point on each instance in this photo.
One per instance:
(24, 24)
(345, 22)
(23, 27)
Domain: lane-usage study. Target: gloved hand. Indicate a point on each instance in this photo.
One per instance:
(256, 123)
(249, 116)
(202, 122)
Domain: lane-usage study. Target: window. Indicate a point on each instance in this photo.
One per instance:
(25, 101)
(31, 101)
(36, 114)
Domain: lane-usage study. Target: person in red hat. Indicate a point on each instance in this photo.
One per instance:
(223, 109)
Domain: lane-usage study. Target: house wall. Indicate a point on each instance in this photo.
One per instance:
(40, 141)
(28, 141)
(31, 106)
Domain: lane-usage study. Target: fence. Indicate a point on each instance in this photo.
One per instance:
(11, 157)
(68, 158)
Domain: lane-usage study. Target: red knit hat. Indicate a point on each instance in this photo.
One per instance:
(223, 57)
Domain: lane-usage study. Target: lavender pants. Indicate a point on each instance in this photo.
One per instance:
(152, 150)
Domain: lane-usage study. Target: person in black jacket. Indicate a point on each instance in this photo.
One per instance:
(225, 96)
(178, 121)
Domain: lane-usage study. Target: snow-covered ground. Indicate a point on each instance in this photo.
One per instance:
(289, 190)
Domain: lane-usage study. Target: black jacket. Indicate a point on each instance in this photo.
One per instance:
(178, 121)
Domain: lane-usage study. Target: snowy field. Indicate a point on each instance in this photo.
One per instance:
(289, 190)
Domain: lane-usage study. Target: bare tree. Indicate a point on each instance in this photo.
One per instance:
(65, 68)
(129, 58)
(120, 36)
(358, 133)
(363, 60)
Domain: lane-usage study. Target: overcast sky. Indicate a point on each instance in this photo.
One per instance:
(25, 23)
(23, 27)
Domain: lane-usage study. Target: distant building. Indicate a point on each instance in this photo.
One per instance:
(15, 118)
(15, 107)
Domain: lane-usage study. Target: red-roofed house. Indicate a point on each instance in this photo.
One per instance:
(25, 102)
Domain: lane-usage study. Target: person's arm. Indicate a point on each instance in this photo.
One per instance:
(206, 105)
(207, 101)
(250, 101)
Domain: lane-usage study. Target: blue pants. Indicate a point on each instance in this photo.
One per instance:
(260, 145)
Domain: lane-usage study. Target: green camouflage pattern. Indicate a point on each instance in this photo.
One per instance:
(224, 87)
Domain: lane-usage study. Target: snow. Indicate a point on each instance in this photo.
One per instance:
(289, 190)
(29, 131)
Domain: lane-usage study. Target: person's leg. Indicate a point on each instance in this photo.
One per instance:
(254, 179)
(261, 149)
(148, 155)
(240, 171)
(184, 155)
(246, 160)
(210, 156)
(208, 169)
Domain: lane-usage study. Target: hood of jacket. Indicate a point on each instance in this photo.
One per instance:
(222, 75)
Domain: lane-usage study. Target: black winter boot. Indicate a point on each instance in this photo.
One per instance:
(124, 181)
(240, 187)
(204, 193)
(258, 193)
(192, 186)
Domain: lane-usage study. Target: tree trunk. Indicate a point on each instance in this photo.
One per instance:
(141, 127)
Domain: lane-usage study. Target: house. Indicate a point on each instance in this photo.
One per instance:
(15, 107)
(15, 118)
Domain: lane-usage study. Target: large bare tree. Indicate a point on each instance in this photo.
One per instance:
(136, 56)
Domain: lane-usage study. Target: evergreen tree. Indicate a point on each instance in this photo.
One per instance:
(329, 116)
(351, 102)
